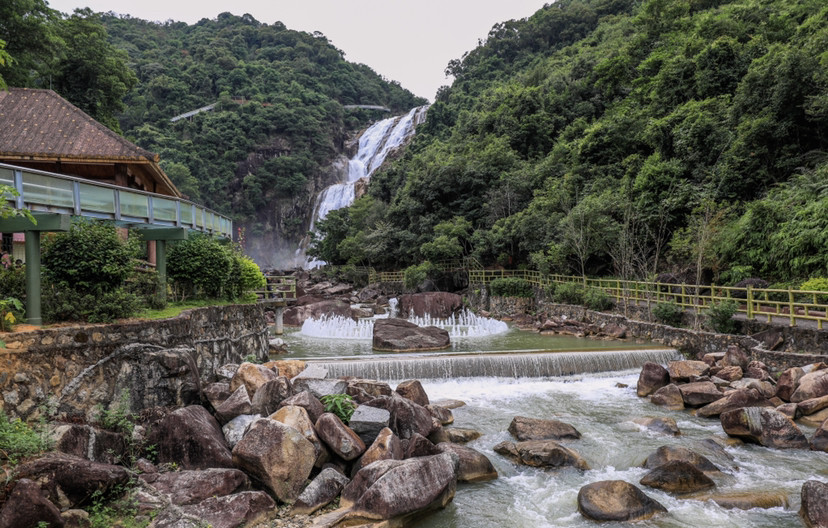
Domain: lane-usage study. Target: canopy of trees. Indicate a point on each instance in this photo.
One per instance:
(619, 137)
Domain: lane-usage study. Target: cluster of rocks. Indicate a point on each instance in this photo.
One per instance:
(547, 324)
(752, 405)
(262, 438)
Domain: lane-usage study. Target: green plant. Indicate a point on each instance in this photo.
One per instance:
(735, 274)
(11, 311)
(19, 439)
(721, 316)
(199, 266)
(597, 299)
(119, 416)
(816, 284)
(415, 275)
(569, 293)
(13, 281)
(119, 507)
(341, 405)
(668, 313)
(251, 358)
(511, 287)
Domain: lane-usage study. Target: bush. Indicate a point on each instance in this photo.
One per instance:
(199, 266)
(721, 316)
(511, 287)
(735, 274)
(341, 405)
(252, 277)
(415, 275)
(13, 281)
(816, 284)
(597, 299)
(669, 313)
(569, 293)
(63, 303)
(17, 439)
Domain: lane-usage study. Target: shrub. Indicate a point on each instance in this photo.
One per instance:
(341, 405)
(721, 316)
(18, 439)
(199, 266)
(415, 275)
(816, 284)
(11, 311)
(511, 287)
(569, 293)
(13, 281)
(597, 299)
(735, 274)
(668, 313)
(63, 303)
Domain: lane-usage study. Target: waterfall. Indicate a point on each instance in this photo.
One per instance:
(513, 365)
(374, 146)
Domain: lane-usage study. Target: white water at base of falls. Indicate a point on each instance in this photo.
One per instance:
(374, 146)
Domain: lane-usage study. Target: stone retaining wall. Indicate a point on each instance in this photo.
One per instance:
(76, 367)
(799, 346)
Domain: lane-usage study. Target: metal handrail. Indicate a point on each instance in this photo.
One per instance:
(200, 217)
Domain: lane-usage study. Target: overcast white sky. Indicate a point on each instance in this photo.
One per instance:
(410, 41)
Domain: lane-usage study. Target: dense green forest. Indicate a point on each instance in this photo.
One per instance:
(623, 138)
(279, 118)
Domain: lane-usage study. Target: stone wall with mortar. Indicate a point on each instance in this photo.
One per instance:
(799, 346)
(71, 369)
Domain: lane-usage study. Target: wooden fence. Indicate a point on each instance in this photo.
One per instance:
(278, 288)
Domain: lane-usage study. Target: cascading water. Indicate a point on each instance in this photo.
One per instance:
(374, 146)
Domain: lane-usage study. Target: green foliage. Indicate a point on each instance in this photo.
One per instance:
(18, 439)
(816, 284)
(568, 293)
(251, 277)
(11, 311)
(199, 266)
(597, 299)
(721, 316)
(414, 276)
(117, 508)
(341, 405)
(119, 416)
(511, 287)
(669, 313)
(735, 274)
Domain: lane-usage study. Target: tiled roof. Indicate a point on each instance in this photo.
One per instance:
(40, 123)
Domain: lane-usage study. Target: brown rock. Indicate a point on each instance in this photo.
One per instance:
(730, 373)
(541, 453)
(441, 414)
(277, 456)
(734, 400)
(814, 509)
(289, 368)
(747, 500)
(474, 466)
(398, 335)
(371, 388)
(232, 511)
(767, 427)
(615, 331)
(653, 377)
(386, 446)
(191, 438)
(406, 418)
(699, 393)
(439, 305)
(790, 410)
(307, 401)
(27, 507)
(298, 418)
(269, 395)
(237, 404)
(811, 385)
(736, 357)
(339, 437)
(669, 396)
(217, 392)
(816, 419)
(459, 435)
(813, 405)
(252, 376)
(660, 425)
(523, 428)
(88, 442)
(414, 391)
(320, 492)
(192, 487)
(712, 358)
(666, 454)
(820, 440)
(788, 383)
(297, 314)
(418, 446)
(616, 500)
(681, 371)
(679, 477)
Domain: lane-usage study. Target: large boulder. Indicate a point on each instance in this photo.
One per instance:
(814, 405)
(661, 425)
(736, 357)
(814, 509)
(252, 376)
(320, 492)
(230, 511)
(811, 385)
(191, 487)
(307, 401)
(406, 417)
(414, 391)
(367, 422)
(418, 446)
(788, 382)
(746, 500)
(236, 405)
(26, 507)
(439, 305)
(89, 442)
(235, 428)
(682, 371)
(666, 454)
(734, 400)
(730, 373)
(767, 427)
(669, 396)
(541, 453)
(386, 446)
(460, 435)
(523, 429)
(362, 390)
(320, 387)
(616, 500)
(653, 376)
(339, 437)
(699, 393)
(820, 440)
(298, 418)
(69, 481)
(296, 315)
(474, 465)
(398, 335)
(677, 477)
(270, 394)
(277, 456)
(289, 368)
(191, 438)
(441, 414)
(398, 491)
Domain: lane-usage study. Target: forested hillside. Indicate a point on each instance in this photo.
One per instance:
(619, 137)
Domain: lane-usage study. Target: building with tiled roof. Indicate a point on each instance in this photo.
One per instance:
(41, 130)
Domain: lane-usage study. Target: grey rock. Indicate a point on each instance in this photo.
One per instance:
(367, 422)
(321, 491)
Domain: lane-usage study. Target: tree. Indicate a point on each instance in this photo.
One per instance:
(28, 29)
(5, 59)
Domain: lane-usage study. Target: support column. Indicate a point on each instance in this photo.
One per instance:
(33, 316)
(279, 327)
(160, 236)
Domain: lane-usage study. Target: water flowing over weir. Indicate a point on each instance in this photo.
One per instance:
(513, 365)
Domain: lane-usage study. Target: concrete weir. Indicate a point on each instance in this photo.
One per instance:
(524, 364)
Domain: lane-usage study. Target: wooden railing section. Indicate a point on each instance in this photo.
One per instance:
(278, 288)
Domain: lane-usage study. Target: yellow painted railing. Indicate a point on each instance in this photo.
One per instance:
(278, 288)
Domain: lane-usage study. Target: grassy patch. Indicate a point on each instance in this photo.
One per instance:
(18, 439)
(175, 308)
